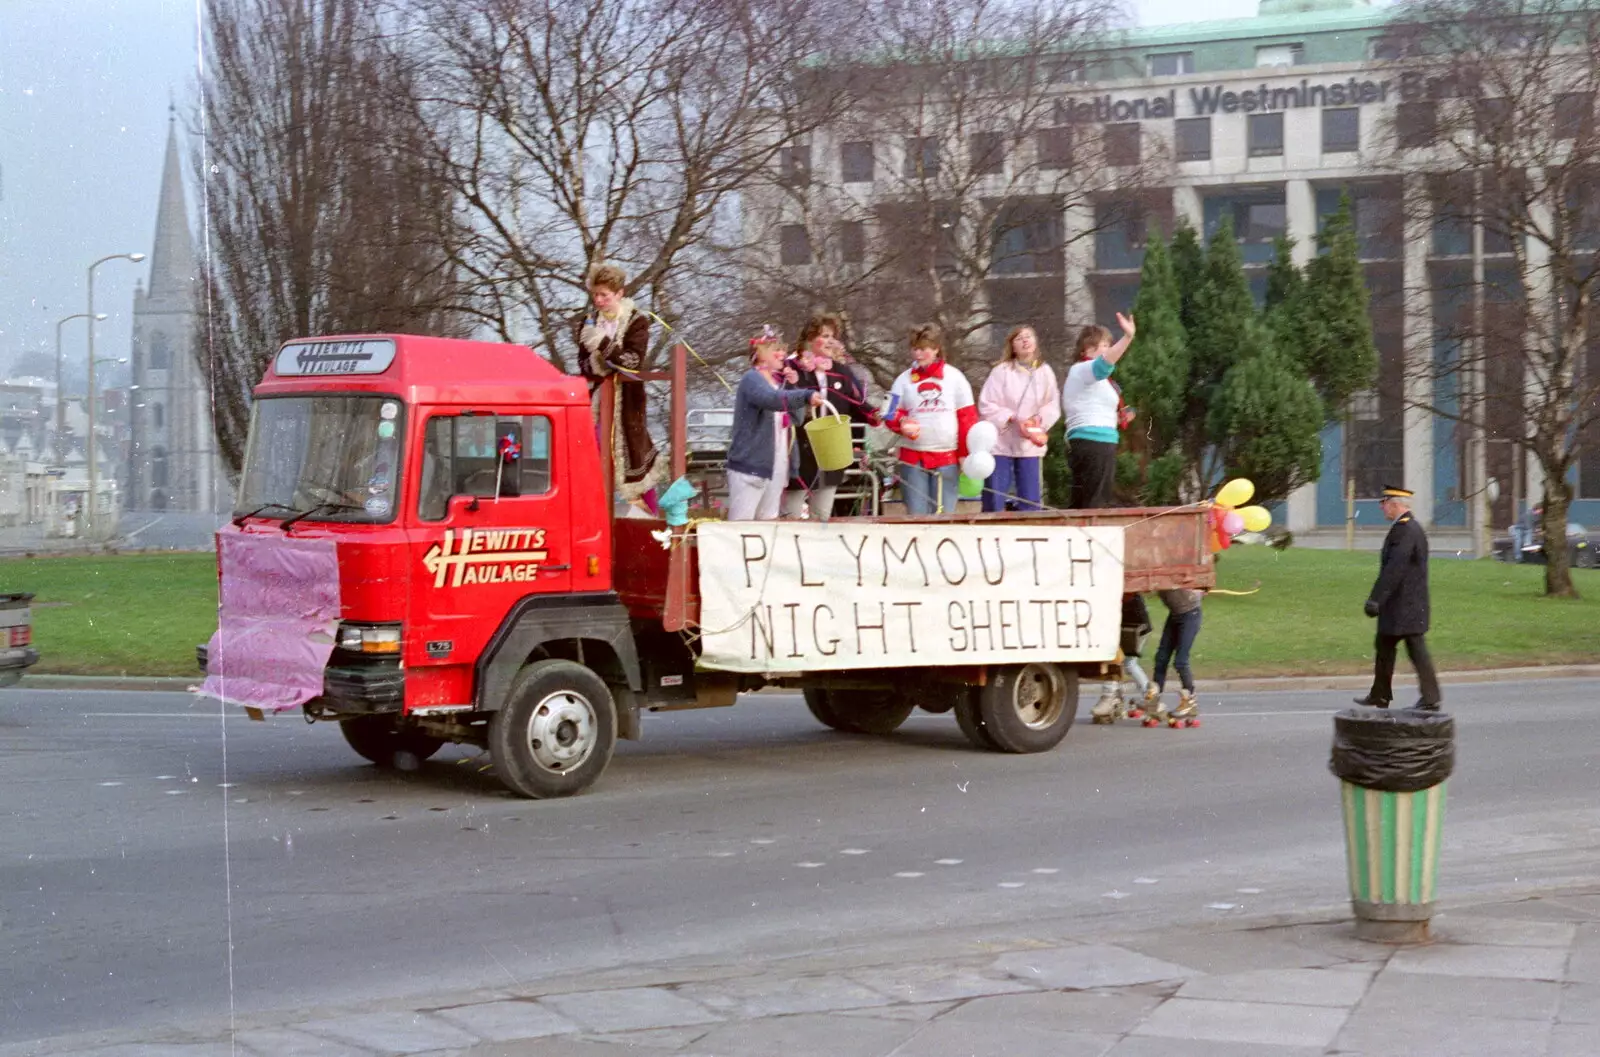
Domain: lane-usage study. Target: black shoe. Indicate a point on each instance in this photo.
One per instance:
(1370, 702)
(1425, 706)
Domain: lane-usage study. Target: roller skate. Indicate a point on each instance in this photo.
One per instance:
(1148, 709)
(1187, 714)
(1108, 709)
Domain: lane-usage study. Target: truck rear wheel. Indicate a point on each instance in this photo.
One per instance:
(1028, 707)
(969, 717)
(858, 711)
(556, 731)
(379, 739)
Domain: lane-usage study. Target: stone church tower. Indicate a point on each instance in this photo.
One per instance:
(173, 463)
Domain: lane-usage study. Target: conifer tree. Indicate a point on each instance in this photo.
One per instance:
(1284, 308)
(1266, 419)
(1155, 377)
(1335, 329)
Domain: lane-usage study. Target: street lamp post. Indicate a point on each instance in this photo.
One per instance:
(61, 396)
(94, 475)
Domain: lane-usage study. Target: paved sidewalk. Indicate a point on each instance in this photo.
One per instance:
(1503, 978)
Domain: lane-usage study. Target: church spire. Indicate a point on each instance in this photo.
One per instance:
(172, 263)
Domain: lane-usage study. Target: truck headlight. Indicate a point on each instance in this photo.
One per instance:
(369, 638)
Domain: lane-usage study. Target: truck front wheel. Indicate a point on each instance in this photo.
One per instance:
(1028, 707)
(556, 731)
(377, 738)
(859, 711)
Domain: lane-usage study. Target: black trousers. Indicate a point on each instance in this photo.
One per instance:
(1383, 668)
(1094, 470)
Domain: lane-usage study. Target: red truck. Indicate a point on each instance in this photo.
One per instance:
(427, 550)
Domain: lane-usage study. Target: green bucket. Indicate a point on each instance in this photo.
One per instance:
(830, 439)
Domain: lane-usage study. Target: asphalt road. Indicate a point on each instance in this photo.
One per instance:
(141, 832)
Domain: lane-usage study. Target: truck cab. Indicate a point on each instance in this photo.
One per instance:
(419, 520)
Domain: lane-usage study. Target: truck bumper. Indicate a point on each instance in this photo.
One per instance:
(351, 689)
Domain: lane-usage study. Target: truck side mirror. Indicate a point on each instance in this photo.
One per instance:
(508, 446)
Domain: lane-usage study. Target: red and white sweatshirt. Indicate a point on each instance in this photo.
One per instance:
(939, 398)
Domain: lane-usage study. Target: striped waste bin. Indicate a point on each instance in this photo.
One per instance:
(1392, 767)
(1391, 845)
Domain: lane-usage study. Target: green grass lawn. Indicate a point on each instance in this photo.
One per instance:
(1307, 619)
(144, 614)
(135, 614)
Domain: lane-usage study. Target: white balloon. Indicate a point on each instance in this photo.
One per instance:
(982, 437)
(978, 465)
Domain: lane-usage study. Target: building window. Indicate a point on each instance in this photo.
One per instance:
(987, 153)
(794, 245)
(1574, 117)
(159, 414)
(1341, 130)
(1266, 135)
(1258, 215)
(1055, 147)
(1067, 71)
(1260, 222)
(1194, 138)
(794, 166)
(922, 157)
(158, 467)
(1280, 55)
(1027, 238)
(1122, 144)
(1492, 119)
(1375, 211)
(852, 242)
(160, 352)
(1416, 125)
(1171, 64)
(855, 161)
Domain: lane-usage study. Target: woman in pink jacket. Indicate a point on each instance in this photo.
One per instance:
(1021, 401)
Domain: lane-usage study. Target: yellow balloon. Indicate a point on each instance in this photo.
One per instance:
(1256, 518)
(1236, 492)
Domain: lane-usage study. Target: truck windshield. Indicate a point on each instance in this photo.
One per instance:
(328, 457)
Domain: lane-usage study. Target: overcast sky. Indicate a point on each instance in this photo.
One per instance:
(84, 90)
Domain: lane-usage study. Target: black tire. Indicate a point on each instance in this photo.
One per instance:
(969, 717)
(1029, 707)
(556, 731)
(378, 739)
(858, 711)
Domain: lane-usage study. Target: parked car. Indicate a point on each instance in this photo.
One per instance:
(1583, 548)
(17, 654)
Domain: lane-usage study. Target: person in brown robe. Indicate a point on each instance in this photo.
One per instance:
(614, 339)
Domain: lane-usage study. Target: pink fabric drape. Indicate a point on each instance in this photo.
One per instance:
(276, 626)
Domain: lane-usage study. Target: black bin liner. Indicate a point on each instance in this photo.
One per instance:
(1393, 750)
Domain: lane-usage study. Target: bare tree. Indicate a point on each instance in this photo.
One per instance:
(951, 188)
(585, 130)
(1498, 108)
(324, 210)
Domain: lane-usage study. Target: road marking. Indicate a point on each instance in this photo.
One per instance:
(159, 715)
(947, 862)
(1280, 712)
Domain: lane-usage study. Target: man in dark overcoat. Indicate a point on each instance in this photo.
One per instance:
(1399, 600)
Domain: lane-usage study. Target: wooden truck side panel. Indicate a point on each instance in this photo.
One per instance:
(1166, 547)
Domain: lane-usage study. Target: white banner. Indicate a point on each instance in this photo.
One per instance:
(781, 596)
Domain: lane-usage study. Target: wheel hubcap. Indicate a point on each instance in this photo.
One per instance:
(1039, 696)
(562, 732)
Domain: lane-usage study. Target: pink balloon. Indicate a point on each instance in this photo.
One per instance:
(1233, 523)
